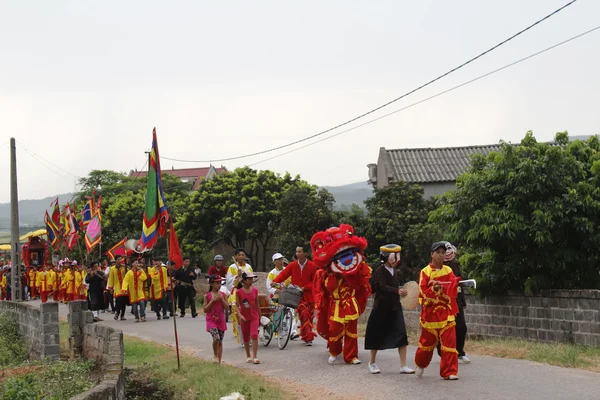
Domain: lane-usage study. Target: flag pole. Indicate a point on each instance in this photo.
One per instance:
(173, 300)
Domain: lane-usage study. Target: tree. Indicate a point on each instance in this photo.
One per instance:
(527, 218)
(396, 214)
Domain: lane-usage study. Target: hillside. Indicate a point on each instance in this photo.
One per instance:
(354, 193)
(31, 212)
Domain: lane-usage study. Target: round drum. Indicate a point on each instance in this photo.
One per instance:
(411, 300)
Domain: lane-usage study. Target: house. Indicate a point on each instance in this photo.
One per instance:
(195, 175)
(435, 169)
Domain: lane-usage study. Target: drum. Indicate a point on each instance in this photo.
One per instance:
(411, 300)
(265, 305)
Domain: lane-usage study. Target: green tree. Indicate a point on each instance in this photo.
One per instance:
(527, 218)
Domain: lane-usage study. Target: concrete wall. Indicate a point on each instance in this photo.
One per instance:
(39, 327)
(97, 342)
(555, 316)
(435, 188)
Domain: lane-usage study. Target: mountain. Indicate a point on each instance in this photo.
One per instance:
(353, 193)
(31, 212)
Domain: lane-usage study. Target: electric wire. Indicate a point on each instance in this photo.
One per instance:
(432, 97)
(383, 105)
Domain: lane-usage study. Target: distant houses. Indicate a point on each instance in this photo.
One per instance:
(193, 175)
(435, 169)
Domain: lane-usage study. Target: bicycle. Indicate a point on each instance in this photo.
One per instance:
(280, 325)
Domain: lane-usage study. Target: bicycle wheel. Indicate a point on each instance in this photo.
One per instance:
(285, 329)
(268, 334)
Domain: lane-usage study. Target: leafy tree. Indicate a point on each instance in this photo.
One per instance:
(527, 218)
(396, 214)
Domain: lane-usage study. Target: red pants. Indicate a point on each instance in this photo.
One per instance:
(33, 293)
(44, 296)
(346, 333)
(428, 342)
(62, 294)
(249, 329)
(306, 313)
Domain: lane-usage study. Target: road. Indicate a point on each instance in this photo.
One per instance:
(485, 378)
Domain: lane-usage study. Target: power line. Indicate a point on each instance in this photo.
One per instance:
(434, 96)
(383, 105)
(49, 162)
(45, 165)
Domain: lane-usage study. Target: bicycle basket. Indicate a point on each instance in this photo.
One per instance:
(290, 297)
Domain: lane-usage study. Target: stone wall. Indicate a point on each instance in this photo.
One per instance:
(98, 342)
(554, 316)
(39, 327)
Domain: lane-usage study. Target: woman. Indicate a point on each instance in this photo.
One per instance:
(386, 329)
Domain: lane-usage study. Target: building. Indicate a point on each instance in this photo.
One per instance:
(194, 175)
(435, 169)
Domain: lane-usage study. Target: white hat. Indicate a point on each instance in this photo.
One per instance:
(277, 256)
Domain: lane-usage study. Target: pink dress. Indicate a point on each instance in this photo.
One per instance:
(215, 318)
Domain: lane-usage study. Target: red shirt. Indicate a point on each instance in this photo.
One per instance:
(303, 278)
(248, 304)
(215, 270)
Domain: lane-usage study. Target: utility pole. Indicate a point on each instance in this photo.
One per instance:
(15, 270)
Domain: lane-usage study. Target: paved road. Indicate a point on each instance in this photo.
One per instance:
(486, 378)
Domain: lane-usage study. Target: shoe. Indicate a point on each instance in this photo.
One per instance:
(116, 317)
(332, 359)
(158, 317)
(309, 343)
(406, 370)
(420, 371)
(137, 320)
(165, 317)
(294, 336)
(374, 369)
(356, 361)
(194, 315)
(181, 315)
(464, 359)
(123, 319)
(451, 378)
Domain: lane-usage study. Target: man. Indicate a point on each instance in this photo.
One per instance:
(185, 278)
(170, 292)
(158, 290)
(280, 262)
(115, 285)
(218, 268)
(33, 293)
(43, 284)
(95, 281)
(133, 284)
(51, 281)
(438, 292)
(302, 271)
(108, 296)
(235, 270)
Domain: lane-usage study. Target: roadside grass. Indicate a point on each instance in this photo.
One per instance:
(152, 367)
(559, 354)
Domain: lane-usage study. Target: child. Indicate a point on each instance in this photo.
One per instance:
(249, 315)
(215, 304)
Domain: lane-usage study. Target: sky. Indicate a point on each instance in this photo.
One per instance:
(82, 83)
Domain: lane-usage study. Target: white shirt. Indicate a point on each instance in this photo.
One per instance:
(390, 270)
(302, 265)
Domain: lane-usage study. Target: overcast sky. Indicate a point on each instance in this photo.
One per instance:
(83, 83)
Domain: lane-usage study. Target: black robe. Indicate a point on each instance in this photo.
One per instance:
(386, 328)
(96, 290)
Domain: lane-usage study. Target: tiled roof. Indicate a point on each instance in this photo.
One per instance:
(432, 164)
(181, 173)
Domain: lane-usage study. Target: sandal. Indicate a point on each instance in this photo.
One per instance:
(255, 361)
(249, 360)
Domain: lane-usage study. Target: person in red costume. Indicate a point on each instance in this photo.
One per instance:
(303, 272)
(439, 289)
(341, 289)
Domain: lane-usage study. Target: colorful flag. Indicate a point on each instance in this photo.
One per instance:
(174, 250)
(87, 211)
(117, 250)
(71, 228)
(52, 230)
(155, 212)
(93, 232)
(56, 213)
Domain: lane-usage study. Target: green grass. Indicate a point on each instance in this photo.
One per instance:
(13, 350)
(197, 379)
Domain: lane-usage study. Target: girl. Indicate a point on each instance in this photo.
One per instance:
(249, 315)
(214, 308)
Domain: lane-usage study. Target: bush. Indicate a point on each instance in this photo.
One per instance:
(13, 349)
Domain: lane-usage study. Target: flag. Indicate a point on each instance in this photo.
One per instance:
(117, 250)
(87, 211)
(174, 250)
(56, 213)
(52, 230)
(93, 233)
(155, 212)
(71, 228)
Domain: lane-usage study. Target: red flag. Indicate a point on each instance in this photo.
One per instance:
(174, 250)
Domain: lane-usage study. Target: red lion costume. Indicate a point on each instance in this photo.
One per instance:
(341, 288)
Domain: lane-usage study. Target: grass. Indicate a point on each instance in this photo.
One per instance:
(153, 364)
(559, 354)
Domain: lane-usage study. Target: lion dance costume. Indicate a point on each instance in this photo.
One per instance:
(341, 288)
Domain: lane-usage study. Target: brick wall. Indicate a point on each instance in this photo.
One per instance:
(553, 316)
(39, 327)
(97, 342)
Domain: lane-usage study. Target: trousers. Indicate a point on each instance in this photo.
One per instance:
(306, 312)
(185, 293)
(343, 337)
(461, 334)
(446, 336)
(139, 309)
(120, 306)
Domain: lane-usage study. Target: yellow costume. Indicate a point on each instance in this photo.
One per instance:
(133, 283)
(115, 280)
(160, 282)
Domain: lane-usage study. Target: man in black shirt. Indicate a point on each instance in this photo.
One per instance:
(185, 278)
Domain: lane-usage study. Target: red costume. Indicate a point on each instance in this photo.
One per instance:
(341, 288)
(438, 309)
(306, 309)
